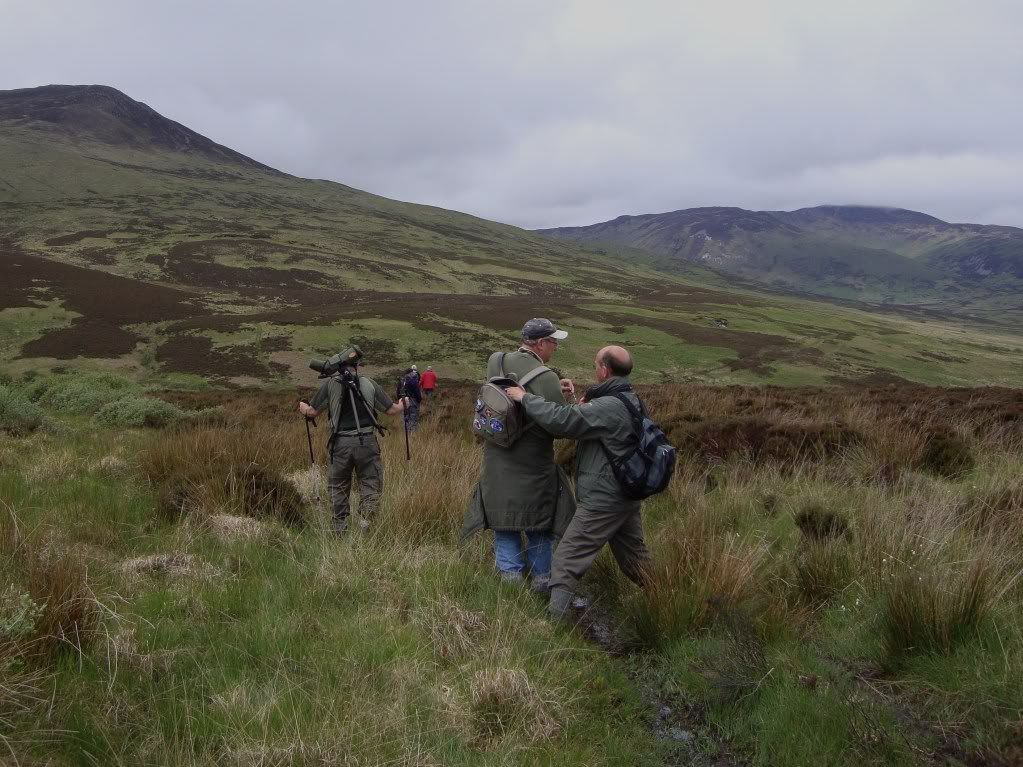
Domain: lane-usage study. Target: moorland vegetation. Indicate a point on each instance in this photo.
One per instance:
(130, 243)
(837, 581)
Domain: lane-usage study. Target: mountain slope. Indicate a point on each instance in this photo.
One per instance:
(866, 253)
(129, 241)
(99, 113)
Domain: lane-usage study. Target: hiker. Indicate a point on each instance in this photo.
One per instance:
(408, 386)
(605, 514)
(352, 445)
(414, 372)
(521, 490)
(428, 382)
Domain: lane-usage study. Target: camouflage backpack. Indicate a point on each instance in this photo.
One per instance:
(498, 418)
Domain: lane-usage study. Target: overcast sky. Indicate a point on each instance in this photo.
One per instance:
(561, 112)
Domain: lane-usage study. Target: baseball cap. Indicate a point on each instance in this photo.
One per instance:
(541, 327)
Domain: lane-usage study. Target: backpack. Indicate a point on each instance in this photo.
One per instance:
(648, 469)
(498, 418)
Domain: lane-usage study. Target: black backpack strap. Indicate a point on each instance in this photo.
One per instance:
(636, 413)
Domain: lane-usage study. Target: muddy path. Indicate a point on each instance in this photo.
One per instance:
(679, 722)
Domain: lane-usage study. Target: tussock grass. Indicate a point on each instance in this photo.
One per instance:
(697, 571)
(220, 634)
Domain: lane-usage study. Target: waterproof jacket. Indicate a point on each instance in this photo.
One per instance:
(520, 487)
(428, 380)
(602, 421)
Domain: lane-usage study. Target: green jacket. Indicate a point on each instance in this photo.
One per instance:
(602, 420)
(520, 487)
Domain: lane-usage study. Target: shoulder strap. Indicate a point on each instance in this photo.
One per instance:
(368, 389)
(634, 412)
(532, 374)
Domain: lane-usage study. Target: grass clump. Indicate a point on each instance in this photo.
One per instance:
(934, 611)
(57, 579)
(697, 571)
(506, 700)
(822, 569)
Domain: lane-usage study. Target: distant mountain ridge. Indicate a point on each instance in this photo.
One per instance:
(106, 115)
(872, 253)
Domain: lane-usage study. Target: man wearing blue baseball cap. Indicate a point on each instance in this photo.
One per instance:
(521, 491)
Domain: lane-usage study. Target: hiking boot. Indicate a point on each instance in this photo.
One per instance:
(339, 528)
(510, 576)
(541, 584)
(364, 524)
(560, 603)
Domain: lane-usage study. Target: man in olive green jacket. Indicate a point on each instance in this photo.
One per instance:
(605, 513)
(521, 490)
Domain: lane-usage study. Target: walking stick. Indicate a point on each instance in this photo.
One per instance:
(408, 451)
(312, 458)
(309, 437)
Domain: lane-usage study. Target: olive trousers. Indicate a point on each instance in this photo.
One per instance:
(586, 535)
(363, 460)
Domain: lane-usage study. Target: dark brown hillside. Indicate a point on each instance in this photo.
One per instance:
(107, 303)
(105, 115)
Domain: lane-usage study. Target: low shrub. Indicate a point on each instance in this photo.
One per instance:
(18, 414)
(760, 440)
(138, 412)
(79, 393)
(18, 615)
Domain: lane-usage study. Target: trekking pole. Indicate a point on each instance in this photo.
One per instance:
(309, 437)
(312, 458)
(408, 450)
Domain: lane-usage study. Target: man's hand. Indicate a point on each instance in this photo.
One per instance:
(397, 407)
(516, 393)
(307, 410)
(567, 387)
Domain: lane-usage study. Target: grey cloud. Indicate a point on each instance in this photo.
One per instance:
(544, 114)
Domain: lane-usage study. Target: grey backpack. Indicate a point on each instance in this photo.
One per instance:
(498, 418)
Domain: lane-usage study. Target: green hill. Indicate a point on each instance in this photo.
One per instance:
(130, 242)
(868, 254)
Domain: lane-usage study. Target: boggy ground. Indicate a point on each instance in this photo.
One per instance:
(836, 580)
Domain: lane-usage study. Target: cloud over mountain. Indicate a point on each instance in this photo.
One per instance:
(546, 114)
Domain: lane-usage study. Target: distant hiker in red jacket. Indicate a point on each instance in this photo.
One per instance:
(428, 382)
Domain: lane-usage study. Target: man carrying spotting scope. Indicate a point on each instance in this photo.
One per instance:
(352, 402)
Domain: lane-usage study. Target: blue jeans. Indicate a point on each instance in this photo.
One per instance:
(508, 552)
